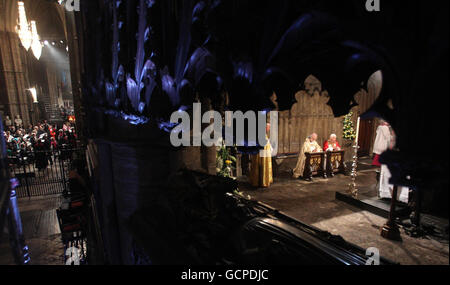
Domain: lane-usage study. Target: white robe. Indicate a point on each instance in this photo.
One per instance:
(385, 189)
(382, 140)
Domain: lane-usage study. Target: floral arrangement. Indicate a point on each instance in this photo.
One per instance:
(349, 132)
(225, 162)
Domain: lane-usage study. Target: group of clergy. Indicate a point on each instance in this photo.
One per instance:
(311, 146)
(261, 167)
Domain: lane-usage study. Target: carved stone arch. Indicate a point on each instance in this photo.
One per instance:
(49, 17)
(312, 84)
(309, 114)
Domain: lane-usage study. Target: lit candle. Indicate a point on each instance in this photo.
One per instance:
(357, 131)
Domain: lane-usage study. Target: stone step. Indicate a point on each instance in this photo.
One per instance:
(374, 205)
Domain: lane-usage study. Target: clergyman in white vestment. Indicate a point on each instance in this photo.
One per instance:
(385, 189)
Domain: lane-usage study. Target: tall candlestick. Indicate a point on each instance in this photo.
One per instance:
(352, 186)
(357, 130)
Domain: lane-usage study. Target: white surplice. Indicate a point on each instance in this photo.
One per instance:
(385, 189)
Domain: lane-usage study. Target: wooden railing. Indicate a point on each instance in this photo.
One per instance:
(335, 162)
(314, 165)
(324, 164)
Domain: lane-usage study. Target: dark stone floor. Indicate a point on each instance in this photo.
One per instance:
(41, 231)
(310, 202)
(314, 203)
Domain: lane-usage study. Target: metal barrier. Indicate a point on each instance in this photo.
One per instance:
(42, 173)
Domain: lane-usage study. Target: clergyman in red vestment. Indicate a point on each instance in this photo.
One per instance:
(331, 144)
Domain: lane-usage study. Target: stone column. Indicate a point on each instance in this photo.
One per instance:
(14, 89)
(73, 39)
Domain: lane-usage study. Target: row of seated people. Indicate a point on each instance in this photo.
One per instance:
(315, 159)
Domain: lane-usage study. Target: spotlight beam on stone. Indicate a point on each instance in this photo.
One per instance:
(36, 46)
(23, 28)
(33, 94)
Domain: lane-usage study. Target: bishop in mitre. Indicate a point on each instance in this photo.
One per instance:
(310, 146)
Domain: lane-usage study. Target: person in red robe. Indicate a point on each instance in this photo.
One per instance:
(331, 144)
(52, 132)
